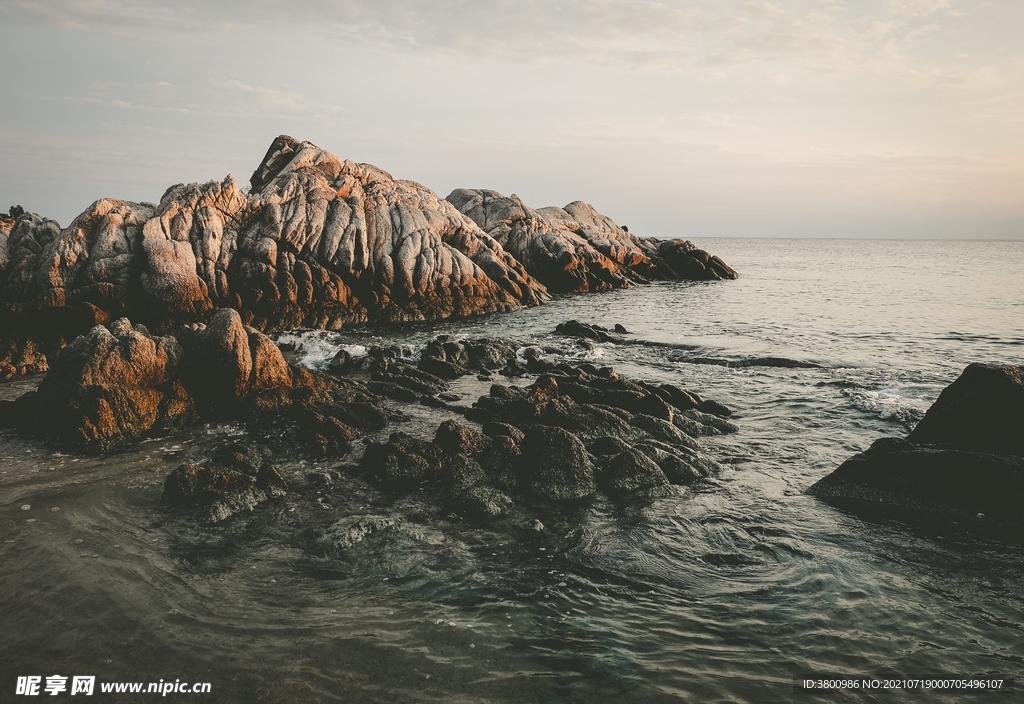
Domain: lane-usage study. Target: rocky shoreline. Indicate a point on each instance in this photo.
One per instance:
(519, 454)
(314, 242)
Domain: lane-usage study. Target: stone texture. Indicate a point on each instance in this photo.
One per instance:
(236, 479)
(317, 242)
(109, 388)
(983, 411)
(577, 249)
(897, 477)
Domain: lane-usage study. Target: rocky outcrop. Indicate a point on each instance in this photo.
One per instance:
(539, 446)
(964, 460)
(316, 242)
(577, 249)
(110, 388)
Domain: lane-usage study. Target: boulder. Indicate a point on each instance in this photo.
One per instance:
(964, 460)
(982, 411)
(401, 464)
(110, 388)
(556, 465)
(896, 477)
(630, 471)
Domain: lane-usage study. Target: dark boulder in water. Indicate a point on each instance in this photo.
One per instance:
(630, 470)
(556, 465)
(983, 410)
(964, 460)
(897, 477)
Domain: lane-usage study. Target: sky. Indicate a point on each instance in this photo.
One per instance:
(681, 118)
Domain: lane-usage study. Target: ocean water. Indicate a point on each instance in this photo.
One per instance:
(723, 593)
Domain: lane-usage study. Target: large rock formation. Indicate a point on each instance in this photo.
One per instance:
(110, 388)
(317, 242)
(577, 249)
(964, 460)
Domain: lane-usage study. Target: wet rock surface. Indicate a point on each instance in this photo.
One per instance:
(236, 479)
(964, 461)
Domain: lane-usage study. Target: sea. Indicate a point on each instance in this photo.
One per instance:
(733, 590)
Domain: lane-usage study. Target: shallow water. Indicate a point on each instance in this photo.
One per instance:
(721, 593)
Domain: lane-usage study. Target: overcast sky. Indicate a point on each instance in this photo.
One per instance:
(694, 118)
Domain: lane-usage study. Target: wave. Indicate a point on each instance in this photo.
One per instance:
(778, 362)
(314, 349)
(888, 404)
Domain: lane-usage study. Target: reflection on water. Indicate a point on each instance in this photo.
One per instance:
(720, 593)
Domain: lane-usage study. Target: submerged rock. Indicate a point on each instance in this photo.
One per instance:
(237, 479)
(540, 447)
(965, 458)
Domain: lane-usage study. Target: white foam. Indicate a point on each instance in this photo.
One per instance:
(314, 349)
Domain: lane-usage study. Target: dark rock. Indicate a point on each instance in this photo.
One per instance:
(454, 438)
(575, 328)
(494, 430)
(402, 463)
(629, 471)
(514, 368)
(965, 457)
(483, 502)
(703, 423)
(500, 460)
(715, 408)
(983, 411)
(556, 465)
(459, 472)
(442, 368)
(681, 466)
(218, 491)
(895, 476)
(663, 430)
(681, 398)
(340, 363)
(394, 391)
(350, 531)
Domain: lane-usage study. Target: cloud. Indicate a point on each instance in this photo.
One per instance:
(661, 35)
